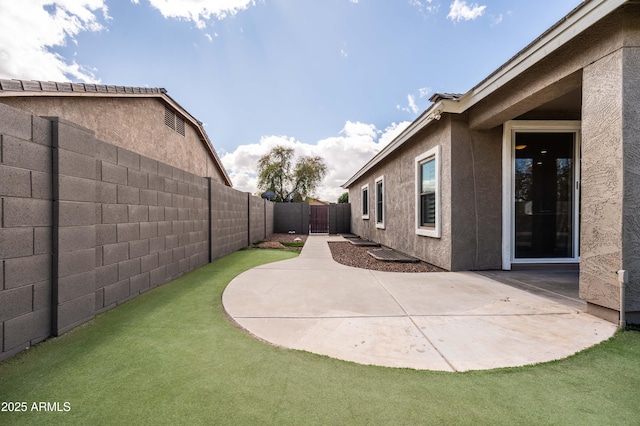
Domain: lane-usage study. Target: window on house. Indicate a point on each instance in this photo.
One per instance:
(428, 193)
(173, 121)
(365, 201)
(380, 202)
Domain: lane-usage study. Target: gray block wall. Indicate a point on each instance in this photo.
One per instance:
(74, 231)
(295, 217)
(339, 218)
(152, 224)
(257, 219)
(229, 220)
(26, 221)
(86, 225)
(291, 217)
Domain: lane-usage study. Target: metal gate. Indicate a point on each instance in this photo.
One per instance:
(319, 223)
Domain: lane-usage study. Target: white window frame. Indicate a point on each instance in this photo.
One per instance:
(364, 188)
(508, 181)
(435, 232)
(380, 224)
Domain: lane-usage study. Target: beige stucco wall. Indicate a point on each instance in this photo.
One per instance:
(631, 211)
(470, 197)
(604, 63)
(610, 235)
(399, 173)
(476, 197)
(136, 124)
(602, 182)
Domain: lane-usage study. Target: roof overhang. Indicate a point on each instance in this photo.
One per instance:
(576, 22)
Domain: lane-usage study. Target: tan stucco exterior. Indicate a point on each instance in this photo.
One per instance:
(470, 198)
(592, 79)
(134, 123)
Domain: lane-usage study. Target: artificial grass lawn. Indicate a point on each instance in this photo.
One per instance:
(171, 356)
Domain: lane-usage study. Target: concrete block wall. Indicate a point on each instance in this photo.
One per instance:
(291, 217)
(257, 219)
(270, 211)
(74, 230)
(339, 218)
(229, 220)
(26, 221)
(151, 227)
(295, 217)
(238, 219)
(86, 225)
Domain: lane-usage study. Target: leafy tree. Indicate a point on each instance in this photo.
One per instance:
(276, 173)
(344, 198)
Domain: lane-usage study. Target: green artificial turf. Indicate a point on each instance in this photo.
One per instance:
(171, 356)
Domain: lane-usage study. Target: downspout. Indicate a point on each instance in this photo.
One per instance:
(623, 279)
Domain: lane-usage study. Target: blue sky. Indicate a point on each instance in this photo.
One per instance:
(336, 78)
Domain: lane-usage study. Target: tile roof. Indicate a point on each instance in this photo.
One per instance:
(51, 86)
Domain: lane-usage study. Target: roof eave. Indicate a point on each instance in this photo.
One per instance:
(577, 21)
(433, 113)
(573, 24)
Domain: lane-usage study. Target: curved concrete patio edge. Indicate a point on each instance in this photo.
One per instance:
(448, 321)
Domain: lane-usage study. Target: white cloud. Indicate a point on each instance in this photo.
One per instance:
(424, 91)
(425, 6)
(461, 11)
(345, 154)
(29, 28)
(411, 105)
(200, 11)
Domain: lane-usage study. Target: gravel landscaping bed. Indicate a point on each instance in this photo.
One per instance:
(350, 255)
(275, 241)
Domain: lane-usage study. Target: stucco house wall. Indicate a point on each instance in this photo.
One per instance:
(476, 212)
(399, 186)
(586, 68)
(136, 124)
(470, 185)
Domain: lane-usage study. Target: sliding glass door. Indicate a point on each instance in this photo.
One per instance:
(542, 202)
(543, 197)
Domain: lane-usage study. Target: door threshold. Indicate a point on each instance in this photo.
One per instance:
(573, 266)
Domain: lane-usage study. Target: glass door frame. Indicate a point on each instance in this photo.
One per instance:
(508, 186)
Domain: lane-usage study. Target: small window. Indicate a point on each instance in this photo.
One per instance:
(380, 211)
(365, 201)
(428, 193)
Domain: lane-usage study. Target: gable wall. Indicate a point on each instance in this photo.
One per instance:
(136, 124)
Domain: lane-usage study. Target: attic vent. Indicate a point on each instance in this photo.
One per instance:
(169, 118)
(180, 125)
(172, 120)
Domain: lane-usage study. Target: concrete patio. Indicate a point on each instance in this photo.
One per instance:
(449, 321)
